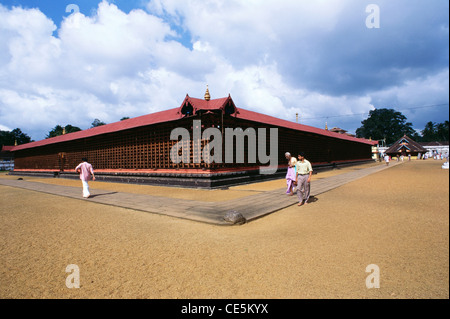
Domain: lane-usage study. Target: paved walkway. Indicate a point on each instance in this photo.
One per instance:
(251, 207)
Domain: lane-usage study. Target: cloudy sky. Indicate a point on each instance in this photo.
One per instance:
(70, 62)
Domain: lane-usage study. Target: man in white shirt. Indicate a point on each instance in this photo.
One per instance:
(303, 178)
(386, 159)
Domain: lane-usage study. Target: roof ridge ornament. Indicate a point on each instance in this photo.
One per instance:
(207, 96)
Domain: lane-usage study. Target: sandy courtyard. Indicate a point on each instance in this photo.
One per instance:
(397, 219)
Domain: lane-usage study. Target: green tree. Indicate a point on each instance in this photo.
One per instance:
(58, 130)
(443, 132)
(436, 132)
(416, 137)
(71, 129)
(429, 132)
(385, 124)
(11, 137)
(97, 122)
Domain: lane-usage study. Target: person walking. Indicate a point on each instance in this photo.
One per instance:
(86, 171)
(386, 159)
(303, 179)
(290, 176)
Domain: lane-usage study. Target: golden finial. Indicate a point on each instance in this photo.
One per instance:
(64, 130)
(15, 142)
(207, 96)
(296, 117)
(326, 126)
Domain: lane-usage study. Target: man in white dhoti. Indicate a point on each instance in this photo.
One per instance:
(386, 159)
(86, 171)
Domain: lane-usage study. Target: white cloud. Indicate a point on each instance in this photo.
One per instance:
(89, 71)
(27, 45)
(416, 98)
(5, 128)
(278, 58)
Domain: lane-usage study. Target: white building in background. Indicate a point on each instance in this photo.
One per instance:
(382, 149)
(435, 148)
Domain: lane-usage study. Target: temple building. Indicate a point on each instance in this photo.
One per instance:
(341, 131)
(405, 146)
(6, 158)
(148, 149)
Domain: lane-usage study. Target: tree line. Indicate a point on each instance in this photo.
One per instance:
(389, 125)
(59, 130)
(9, 138)
(17, 136)
(385, 125)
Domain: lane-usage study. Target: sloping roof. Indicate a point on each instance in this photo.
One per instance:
(149, 119)
(259, 117)
(338, 130)
(434, 143)
(176, 114)
(6, 148)
(405, 142)
(207, 105)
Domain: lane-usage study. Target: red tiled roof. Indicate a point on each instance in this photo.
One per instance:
(210, 105)
(6, 148)
(259, 117)
(175, 114)
(154, 118)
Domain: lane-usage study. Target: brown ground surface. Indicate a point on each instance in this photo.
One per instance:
(233, 192)
(397, 219)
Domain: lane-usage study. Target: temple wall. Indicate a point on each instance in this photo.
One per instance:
(148, 148)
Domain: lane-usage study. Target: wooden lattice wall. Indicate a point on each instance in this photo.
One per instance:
(149, 147)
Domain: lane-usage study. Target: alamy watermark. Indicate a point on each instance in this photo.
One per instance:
(373, 280)
(74, 20)
(72, 8)
(373, 19)
(73, 280)
(212, 152)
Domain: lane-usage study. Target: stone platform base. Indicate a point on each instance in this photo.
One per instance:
(207, 181)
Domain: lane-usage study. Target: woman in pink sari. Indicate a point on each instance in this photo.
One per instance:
(290, 176)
